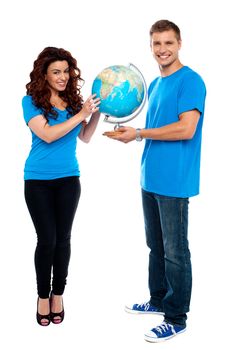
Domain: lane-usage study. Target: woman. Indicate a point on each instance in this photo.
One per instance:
(56, 114)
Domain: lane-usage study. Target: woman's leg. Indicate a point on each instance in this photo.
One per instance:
(67, 193)
(40, 201)
(67, 196)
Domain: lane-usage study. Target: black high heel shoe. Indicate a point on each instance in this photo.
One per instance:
(54, 315)
(40, 317)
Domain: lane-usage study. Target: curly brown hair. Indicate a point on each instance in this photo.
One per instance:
(38, 87)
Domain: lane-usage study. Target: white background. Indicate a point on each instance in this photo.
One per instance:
(109, 256)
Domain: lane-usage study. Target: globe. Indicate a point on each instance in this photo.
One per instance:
(121, 90)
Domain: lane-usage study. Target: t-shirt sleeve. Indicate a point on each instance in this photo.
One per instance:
(29, 109)
(192, 94)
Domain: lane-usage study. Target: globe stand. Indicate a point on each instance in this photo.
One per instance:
(115, 120)
(117, 126)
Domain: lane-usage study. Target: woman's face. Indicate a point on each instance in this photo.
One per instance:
(57, 75)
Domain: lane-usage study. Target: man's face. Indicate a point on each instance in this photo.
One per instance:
(165, 48)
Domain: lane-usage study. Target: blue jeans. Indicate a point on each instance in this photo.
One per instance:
(170, 273)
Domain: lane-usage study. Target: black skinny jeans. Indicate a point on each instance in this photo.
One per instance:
(52, 205)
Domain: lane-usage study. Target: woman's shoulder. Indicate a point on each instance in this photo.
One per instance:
(27, 100)
(29, 108)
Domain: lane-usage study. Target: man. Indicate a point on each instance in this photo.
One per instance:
(170, 172)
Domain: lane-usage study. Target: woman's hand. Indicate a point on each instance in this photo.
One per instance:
(90, 106)
(89, 127)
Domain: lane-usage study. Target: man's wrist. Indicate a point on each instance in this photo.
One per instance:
(138, 135)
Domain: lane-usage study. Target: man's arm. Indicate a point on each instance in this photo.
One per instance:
(184, 129)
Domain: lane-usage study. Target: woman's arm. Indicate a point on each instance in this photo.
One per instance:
(89, 128)
(48, 133)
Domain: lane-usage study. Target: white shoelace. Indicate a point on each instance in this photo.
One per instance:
(145, 305)
(164, 327)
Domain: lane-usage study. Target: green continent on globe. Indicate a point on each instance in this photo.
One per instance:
(120, 89)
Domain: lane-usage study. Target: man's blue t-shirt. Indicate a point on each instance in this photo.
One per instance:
(53, 160)
(172, 168)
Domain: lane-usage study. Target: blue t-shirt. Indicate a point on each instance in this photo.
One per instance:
(53, 160)
(172, 168)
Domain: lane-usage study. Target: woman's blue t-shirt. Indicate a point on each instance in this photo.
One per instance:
(172, 168)
(47, 161)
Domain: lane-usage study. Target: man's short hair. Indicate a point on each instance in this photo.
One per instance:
(164, 25)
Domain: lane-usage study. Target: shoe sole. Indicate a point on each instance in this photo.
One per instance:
(130, 311)
(158, 340)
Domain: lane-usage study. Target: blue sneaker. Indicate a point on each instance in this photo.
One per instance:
(164, 332)
(145, 308)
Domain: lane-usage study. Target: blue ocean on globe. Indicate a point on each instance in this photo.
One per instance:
(120, 89)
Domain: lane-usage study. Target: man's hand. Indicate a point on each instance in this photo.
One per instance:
(124, 134)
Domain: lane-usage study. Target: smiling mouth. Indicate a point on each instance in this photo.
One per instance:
(163, 57)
